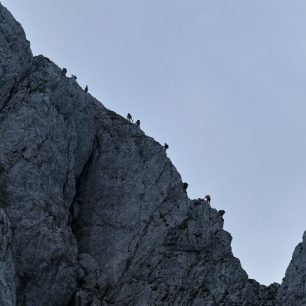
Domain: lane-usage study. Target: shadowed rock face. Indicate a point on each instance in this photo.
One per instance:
(293, 288)
(92, 211)
(16, 55)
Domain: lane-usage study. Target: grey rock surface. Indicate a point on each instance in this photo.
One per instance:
(92, 211)
(292, 291)
(7, 270)
(16, 55)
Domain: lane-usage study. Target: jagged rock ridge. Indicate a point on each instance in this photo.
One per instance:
(92, 211)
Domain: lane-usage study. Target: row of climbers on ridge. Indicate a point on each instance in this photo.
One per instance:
(129, 117)
(207, 198)
(64, 70)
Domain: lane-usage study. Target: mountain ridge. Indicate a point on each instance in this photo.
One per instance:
(93, 211)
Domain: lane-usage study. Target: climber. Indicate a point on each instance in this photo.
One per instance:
(129, 117)
(138, 122)
(86, 88)
(166, 146)
(207, 199)
(64, 71)
(185, 186)
(73, 77)
(221, 213)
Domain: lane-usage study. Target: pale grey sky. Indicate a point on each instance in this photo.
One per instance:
(222, 82)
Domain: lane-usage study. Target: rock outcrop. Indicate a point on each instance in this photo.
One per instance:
(293, 288)
(16, 55)
(92, 211)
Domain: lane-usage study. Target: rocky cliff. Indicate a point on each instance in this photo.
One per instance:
(92, 211)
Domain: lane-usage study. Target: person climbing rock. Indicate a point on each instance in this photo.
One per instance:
(221, 213)
(86, 88)
(64, 71)
(138, 122)
(207, 199)
(129, 117)
(185, 186)
(74, 77)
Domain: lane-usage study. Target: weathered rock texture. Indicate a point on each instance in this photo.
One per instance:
(293, 288)
(92, 212)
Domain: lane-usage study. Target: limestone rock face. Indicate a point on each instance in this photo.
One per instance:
(93, 212)
(293, 288)
(7, 270)
(16, 56)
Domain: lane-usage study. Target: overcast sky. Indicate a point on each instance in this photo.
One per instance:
(222, 82)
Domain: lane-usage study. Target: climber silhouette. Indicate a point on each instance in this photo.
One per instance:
(221, 212)
(138, 122)
(129, 117)
(86, 88)
(207, 199)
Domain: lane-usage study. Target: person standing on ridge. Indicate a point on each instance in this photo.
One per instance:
(129, 117)
(185, 186)
(221, 213)
(207, 199)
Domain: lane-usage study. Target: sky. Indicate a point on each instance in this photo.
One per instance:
(222, 82)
